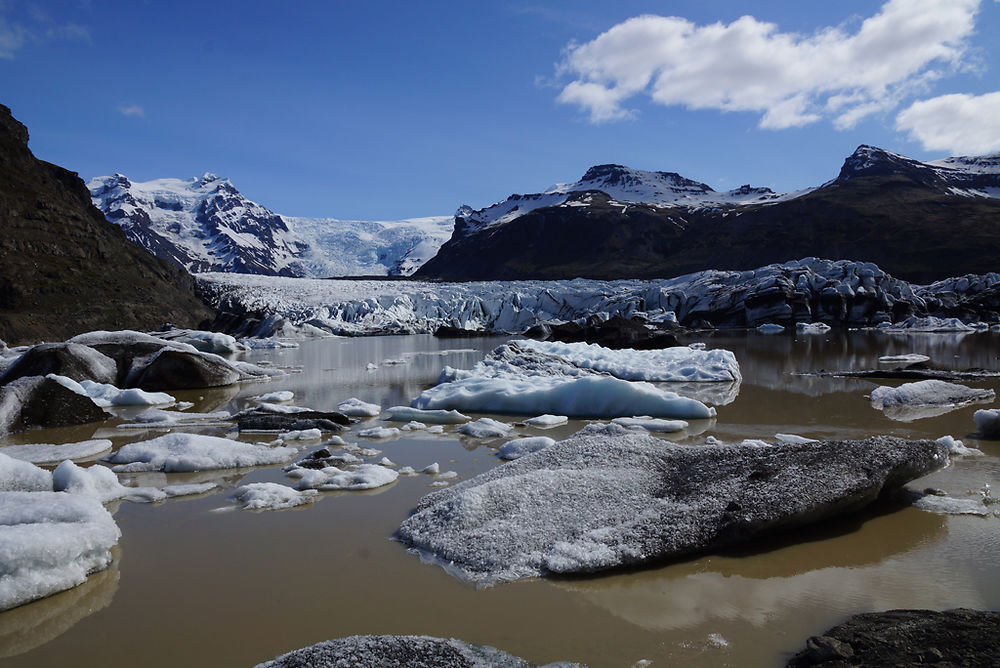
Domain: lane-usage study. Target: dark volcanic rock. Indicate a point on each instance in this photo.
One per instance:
(267, 421)
(36, 401)
(617, 333)
(907, 638)
(64, 269)
(398, 652)
(449, 332)
(172, 369)
(66, 359)
(608, 497)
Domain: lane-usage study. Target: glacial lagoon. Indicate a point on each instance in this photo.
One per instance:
(197, 582)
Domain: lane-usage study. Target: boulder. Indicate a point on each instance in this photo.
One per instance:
(172, 369)
(449, 332)
(73, 360)
(608, 497)
(37, 401)
(906, 638)
(399, 652)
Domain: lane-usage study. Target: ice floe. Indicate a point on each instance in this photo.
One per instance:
(379, 432)
(988, 422)
(95, 481)
(485, 428)
(272, 496)
(911, 401)
(770, 328)
(354, 407)
(904, 360)
(519, 447)
(48, 453)
(158, 418)
(609, 497)
(105, 394)
(194, 452)
(434, 416)
(49, 542)
(927, 324)
(546, 420)
(956, 447)
(274, 397)
(652, 425)
(812, 327)
(794, 438)
(364, 476)
(17, 475)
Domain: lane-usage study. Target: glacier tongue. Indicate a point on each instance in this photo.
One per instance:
(836, 292)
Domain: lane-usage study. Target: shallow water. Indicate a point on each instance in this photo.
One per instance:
(191, 586)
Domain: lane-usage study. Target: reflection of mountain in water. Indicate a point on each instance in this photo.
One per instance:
(35, 624)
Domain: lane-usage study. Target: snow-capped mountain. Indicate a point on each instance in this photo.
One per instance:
(919, 220)
(622, 184)
(206, 224)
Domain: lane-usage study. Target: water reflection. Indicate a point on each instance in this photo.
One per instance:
(849, 571)
(35, 624)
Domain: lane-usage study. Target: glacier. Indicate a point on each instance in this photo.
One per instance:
(840, 292)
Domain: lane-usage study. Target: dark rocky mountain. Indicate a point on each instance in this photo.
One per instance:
(918, 221)
(64, 269)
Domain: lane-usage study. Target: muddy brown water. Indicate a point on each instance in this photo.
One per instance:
(195, 585)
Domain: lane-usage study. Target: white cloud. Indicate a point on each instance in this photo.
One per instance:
(35, 27)
(749, 65)
(959, 124)
(132, 110)
(12, 38)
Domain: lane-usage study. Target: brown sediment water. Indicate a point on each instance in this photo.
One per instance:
(193, 585)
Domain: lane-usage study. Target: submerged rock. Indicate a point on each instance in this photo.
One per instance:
(958, 637)
(264, 420)
(609, 497)
(37, 401)
(399, 652)
(66, 359)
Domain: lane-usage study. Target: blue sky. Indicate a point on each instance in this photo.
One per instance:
(384, 110)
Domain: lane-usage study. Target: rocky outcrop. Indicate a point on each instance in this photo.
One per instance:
(906, 638)
(399, 652)
(36, 401)
(171, 369)
(64, 269)
(607, 498)
(616, 333)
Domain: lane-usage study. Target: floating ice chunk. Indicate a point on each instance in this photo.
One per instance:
(301, 435)
(547, 420)
(435, 429)
(96, 481)
(440, 483)
(988, 421)
(437, 416)
(413, 425)
(407, 470)
(908, 359)
(371, 366)
(956, 447)
(357, 408)
(195, 452)
(586, 396)
(652, 425)
(485, 428)
(365, 476)
(17, 475)
(272, 496)
(794, 438)
(155, 417)
(949, 505)
(207, 342)
(105, 395)
(273, 397)
(698, 345)
(50, 541)
(336, 440)
(927, 393)
(520, 447)
(680, 363)
(812, 327)
(267, 344)
(447, 475)
(770, 328)
(47, 453)
(385, 461)
(928, 324)
(190, 489)
(431, 469)
(379, 432)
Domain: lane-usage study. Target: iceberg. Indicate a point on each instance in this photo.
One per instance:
(194, 452)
